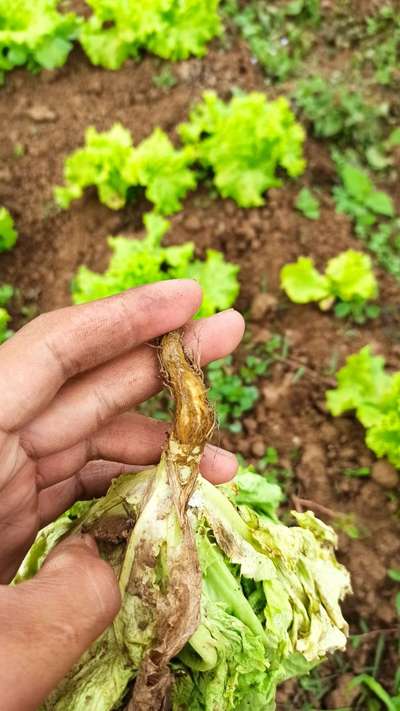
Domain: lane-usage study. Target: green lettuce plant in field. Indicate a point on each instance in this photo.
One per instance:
(363, 385)
(220, 601)
(35, 34)
(142, 261)
(348, 281)
(172, 29)
(109, 161)
(244, 143)
(8, 233)
(6, 293)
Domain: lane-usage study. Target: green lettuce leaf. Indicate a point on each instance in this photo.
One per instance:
(220, 293)
(270, 597)
(143, 261)
(106, 161)
(8, 233)
(351, 276)
(244, 142)
(303, 283)
(5, 332)
(173, 29)
(360, 385)
(111, 163)
(35, 34)
(164, 172)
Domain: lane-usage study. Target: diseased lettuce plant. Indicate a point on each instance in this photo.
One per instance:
(35, 34)
(109, 161)
(244, 143)
(6, 293)
(364, 386)
(348, 283)
(8, 233)
(143, 261)
(172, 29)
(220, 601)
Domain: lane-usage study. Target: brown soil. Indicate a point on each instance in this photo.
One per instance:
(47, 115)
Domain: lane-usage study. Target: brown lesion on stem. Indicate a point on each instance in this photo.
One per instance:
(194, 417)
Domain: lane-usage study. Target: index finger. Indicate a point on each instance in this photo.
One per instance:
(38, 360)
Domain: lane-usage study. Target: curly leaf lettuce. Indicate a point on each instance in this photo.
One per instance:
(143, 261)
(303, 283)
(35, 34)
(164, 172)
(172, 29)
(110, 162)
(106, 161)
(244, 142)
(348, 279)
(351, 276)
(364, 386)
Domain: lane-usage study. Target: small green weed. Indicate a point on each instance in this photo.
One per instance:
(373, 212)
(279, 35)
(230, 393)
(338, 111)
(166, 79)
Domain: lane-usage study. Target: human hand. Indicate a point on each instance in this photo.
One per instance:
(67, 382)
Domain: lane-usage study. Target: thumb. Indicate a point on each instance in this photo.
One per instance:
(47, 623)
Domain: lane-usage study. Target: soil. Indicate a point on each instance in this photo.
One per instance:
(47, 115)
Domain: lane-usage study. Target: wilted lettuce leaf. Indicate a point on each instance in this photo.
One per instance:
(244, 142)
(143, 261)
(111, 163)
(8, 233)
(35, 34)
(173, 29)
(303, 283)
(270, 600)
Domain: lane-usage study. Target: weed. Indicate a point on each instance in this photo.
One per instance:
(166, 79)
(279, 36)
(230, 393)
(308, 204)
(338, 111)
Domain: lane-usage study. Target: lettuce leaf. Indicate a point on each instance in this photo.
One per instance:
(8, 233)
(303, 283)
(144, 261)
(172, 29)
(35, 34)
(364, 386)
(110, 162)
(244, 142)
(360, 385)
(348, 278)
(351, 276)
